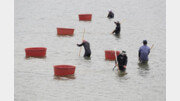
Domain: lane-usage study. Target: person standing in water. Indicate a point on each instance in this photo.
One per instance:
(110, 15)
(118, 28)
(122, 61)
(87, 49)
(144, 52)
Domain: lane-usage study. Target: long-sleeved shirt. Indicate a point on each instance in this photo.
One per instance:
(144, 52)
(86, 48)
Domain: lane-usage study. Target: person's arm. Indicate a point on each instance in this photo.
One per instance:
(80, 44)
(149, 51)
(113, 31)
(126, 59)
(139, 53)
(120, 27)
(108, 15)
(115, 23)
(112, 14)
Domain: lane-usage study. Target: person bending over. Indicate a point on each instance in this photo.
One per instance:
(110, 15)
(87, 49)
(117, 29)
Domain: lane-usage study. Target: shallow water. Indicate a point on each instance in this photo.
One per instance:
(35, 25)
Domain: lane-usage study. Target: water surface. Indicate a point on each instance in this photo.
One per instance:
(35, 26)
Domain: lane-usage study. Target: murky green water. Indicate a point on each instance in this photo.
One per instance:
(35, 25)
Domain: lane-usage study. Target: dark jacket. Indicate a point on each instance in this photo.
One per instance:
(110, 15)
(122, 60)
(118, 28)
(86, 48)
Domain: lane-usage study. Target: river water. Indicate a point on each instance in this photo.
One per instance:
(35, 26)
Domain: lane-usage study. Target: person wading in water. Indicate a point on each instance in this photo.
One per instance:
(122, 61)
(118, 28)
(110, 15)
(144, 52)
(86, 48)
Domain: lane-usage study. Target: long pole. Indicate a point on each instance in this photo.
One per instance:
(82, 40)
(152, 46)
(120, 23)
(115, 59)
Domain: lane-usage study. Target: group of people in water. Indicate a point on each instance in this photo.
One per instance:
(121, 59)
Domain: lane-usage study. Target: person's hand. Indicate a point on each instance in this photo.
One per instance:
(116, 64)
(124, 66)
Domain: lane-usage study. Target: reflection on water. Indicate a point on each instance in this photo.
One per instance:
(65, 35)
(28, 58)
(122, 73)
(121, 76)
(68, 77)
(143, 69)
(144, 66)
(117, 35)
(87, 58)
